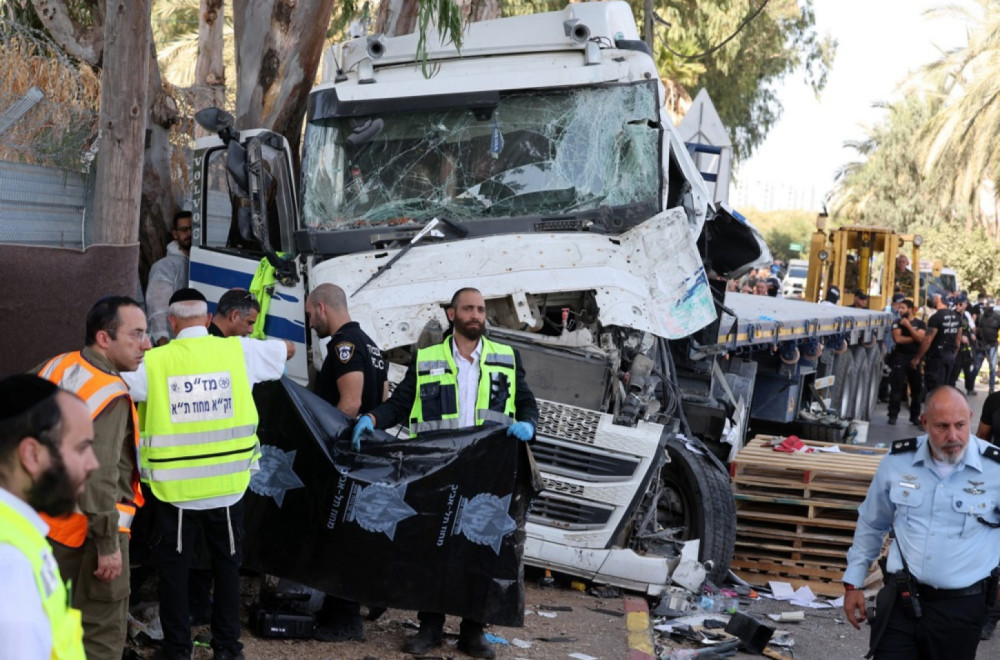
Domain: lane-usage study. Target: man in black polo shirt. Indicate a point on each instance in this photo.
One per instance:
(940, 344)
(353, 378)
(235, 314)
(907, 335)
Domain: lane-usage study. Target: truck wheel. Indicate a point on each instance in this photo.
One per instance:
(841, 383)
(698, 498)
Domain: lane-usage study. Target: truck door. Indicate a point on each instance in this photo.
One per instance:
(245, 212)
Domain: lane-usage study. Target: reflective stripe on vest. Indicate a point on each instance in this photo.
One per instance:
(98, 389)
(436, 366)
(126, 514)
(65, 622)
(199, 420)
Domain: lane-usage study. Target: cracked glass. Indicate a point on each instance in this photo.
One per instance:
(546, 153)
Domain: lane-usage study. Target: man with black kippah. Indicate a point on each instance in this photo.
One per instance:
(46, 455)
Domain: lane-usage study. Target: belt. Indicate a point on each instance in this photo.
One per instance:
(928, 592)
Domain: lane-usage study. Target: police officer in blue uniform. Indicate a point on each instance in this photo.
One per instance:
(938, 494)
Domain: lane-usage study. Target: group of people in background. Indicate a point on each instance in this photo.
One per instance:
(944, 342)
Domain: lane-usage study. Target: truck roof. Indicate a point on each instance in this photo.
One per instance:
(604, 23)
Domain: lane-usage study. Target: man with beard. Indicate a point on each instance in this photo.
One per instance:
(168, 275)
(353, 378)
(937, 494)
(478, 381)
(46, 454)
(907, 334)
(91, 544)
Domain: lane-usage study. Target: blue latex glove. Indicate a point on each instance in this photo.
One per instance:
(521, 430)
(363, 426)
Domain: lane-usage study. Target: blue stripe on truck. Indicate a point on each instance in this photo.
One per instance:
(226, 278)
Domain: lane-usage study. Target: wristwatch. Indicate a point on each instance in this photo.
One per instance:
(849, 587)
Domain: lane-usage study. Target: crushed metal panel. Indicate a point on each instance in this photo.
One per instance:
(650, 279)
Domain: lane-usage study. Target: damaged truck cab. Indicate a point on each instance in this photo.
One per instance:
(538, 165)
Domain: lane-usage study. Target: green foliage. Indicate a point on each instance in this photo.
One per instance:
(741, 76)
(448, 17)
(885, 186)
(782, 228)
(971, 253)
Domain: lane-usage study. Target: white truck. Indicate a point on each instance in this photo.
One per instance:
(540, 166)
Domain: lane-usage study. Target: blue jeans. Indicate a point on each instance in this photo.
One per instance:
(988, 353)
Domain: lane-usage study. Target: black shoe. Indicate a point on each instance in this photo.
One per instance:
(475, 644)
(427, 638)
(892, 420)
(228, 655)
(342, 630)
(163, 654)
(970, 393)
(988, 627)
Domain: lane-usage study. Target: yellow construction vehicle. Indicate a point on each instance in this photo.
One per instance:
(875, 260)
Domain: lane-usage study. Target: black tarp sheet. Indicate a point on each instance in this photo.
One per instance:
(435, 524)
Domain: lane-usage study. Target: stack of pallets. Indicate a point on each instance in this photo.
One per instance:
(796, 513)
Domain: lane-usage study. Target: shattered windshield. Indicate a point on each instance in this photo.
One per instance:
(550, 152)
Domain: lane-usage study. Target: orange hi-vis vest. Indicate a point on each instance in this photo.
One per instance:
(97, 388)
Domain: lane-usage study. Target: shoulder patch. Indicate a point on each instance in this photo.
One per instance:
(992, 452)
(345, 350)
(903, 446)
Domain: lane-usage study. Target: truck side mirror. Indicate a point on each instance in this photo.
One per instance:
(218, 121)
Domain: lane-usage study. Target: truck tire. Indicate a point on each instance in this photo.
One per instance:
(698, 497)
(841, 382)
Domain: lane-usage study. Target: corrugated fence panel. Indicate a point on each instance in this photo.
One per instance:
(42, 206)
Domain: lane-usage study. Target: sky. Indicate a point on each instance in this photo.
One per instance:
(879, 43)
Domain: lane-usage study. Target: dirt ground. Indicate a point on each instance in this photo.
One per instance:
(558, 621)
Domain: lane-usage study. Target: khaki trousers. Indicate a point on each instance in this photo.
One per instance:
(104, 605)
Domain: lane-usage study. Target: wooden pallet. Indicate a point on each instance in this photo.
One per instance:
(796, 513)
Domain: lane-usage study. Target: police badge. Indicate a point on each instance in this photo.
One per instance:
(345, 350)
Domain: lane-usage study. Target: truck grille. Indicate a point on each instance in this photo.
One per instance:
(558, 420)
(565, 514)
(582, 463)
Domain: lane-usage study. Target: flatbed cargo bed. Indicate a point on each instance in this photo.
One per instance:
(761, 320)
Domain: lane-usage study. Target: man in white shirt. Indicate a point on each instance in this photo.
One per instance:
(46, 455)
(198, 449)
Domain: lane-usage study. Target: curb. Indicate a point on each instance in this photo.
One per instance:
(640, 632)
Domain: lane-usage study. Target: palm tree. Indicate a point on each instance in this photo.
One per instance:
(960, 145)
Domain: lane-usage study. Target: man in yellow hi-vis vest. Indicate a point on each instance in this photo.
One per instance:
(46, 455)
(92, 543)
(198, 449)
(467, 380)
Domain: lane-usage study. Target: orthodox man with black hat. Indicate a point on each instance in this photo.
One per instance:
(91, 544)
(937, 496)
(46, 455)
(198, 447)
(466, 380)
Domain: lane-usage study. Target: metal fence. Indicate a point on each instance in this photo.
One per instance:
(44, 205)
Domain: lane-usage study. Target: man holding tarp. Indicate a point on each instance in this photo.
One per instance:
(467, 380)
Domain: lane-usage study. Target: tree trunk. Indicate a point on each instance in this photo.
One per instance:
(118, 182)
(278, 49)
(396, 17)
(210, 71)
(84, 42)
(474, 11)
(159, 199)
